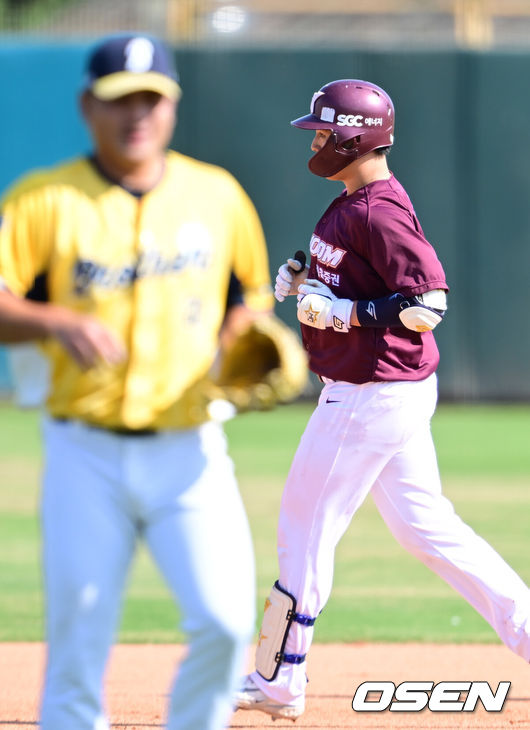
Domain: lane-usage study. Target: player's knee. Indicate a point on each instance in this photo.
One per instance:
(225, 630)
(411, 543)
(424, 542)
(219, 644)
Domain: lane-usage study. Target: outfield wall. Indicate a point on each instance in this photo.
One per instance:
(462, 151)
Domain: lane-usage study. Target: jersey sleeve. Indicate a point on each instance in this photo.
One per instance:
(400, 253)
(250, 257)
(25, 238)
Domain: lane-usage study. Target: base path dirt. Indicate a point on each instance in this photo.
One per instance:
(139, 677)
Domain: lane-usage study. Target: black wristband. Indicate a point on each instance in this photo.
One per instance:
(382, 312)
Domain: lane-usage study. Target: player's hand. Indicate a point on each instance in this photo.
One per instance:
(238, 319)
(314, 311)
(315, 286)
(290, 276)
(318, 307)
(86, 339)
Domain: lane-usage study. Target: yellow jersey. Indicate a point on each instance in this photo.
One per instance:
(155, 268)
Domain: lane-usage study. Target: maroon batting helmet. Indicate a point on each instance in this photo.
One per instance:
(360, 116)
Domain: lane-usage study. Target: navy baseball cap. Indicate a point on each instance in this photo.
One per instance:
(124, 64)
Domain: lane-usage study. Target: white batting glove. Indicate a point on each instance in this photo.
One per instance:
(285, 279)
(315, 286)
(318, 307)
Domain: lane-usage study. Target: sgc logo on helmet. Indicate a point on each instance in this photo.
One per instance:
(350, 120)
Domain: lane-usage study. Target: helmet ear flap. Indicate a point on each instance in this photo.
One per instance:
(333, 157)
(349, 144)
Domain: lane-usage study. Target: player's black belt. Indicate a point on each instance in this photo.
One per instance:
(118, 430)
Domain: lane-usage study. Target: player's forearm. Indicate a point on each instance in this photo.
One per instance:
(22, 320)
(86, 339)
(419, 313)
(318, 307)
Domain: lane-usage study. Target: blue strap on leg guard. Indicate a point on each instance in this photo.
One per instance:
(278, 617)
(304, 620)
(293, 658)
(298, 618)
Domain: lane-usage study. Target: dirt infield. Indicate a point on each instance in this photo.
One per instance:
(139, 677)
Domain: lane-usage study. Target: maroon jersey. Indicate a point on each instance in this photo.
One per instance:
(367, 245)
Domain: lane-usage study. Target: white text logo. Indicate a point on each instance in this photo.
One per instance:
(350, 120)
(416, 696)
(325, 253)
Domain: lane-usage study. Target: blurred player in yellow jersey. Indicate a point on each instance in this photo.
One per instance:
(138, 245)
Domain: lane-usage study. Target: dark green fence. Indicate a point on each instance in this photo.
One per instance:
(462, 151)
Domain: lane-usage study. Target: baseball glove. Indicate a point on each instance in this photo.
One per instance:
(266, 365)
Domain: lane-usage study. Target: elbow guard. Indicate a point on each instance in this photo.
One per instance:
(420, 313)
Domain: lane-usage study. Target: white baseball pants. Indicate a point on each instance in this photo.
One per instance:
(376, 438)
(177, 491)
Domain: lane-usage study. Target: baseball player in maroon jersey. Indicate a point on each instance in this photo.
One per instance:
(368, 303)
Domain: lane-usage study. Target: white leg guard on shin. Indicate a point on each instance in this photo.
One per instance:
(279, 615)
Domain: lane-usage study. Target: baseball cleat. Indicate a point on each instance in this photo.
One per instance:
(250, 697)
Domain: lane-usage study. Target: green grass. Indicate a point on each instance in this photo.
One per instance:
(380, 592)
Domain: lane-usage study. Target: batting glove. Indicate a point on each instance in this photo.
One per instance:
(285, 279)
(318, 307)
